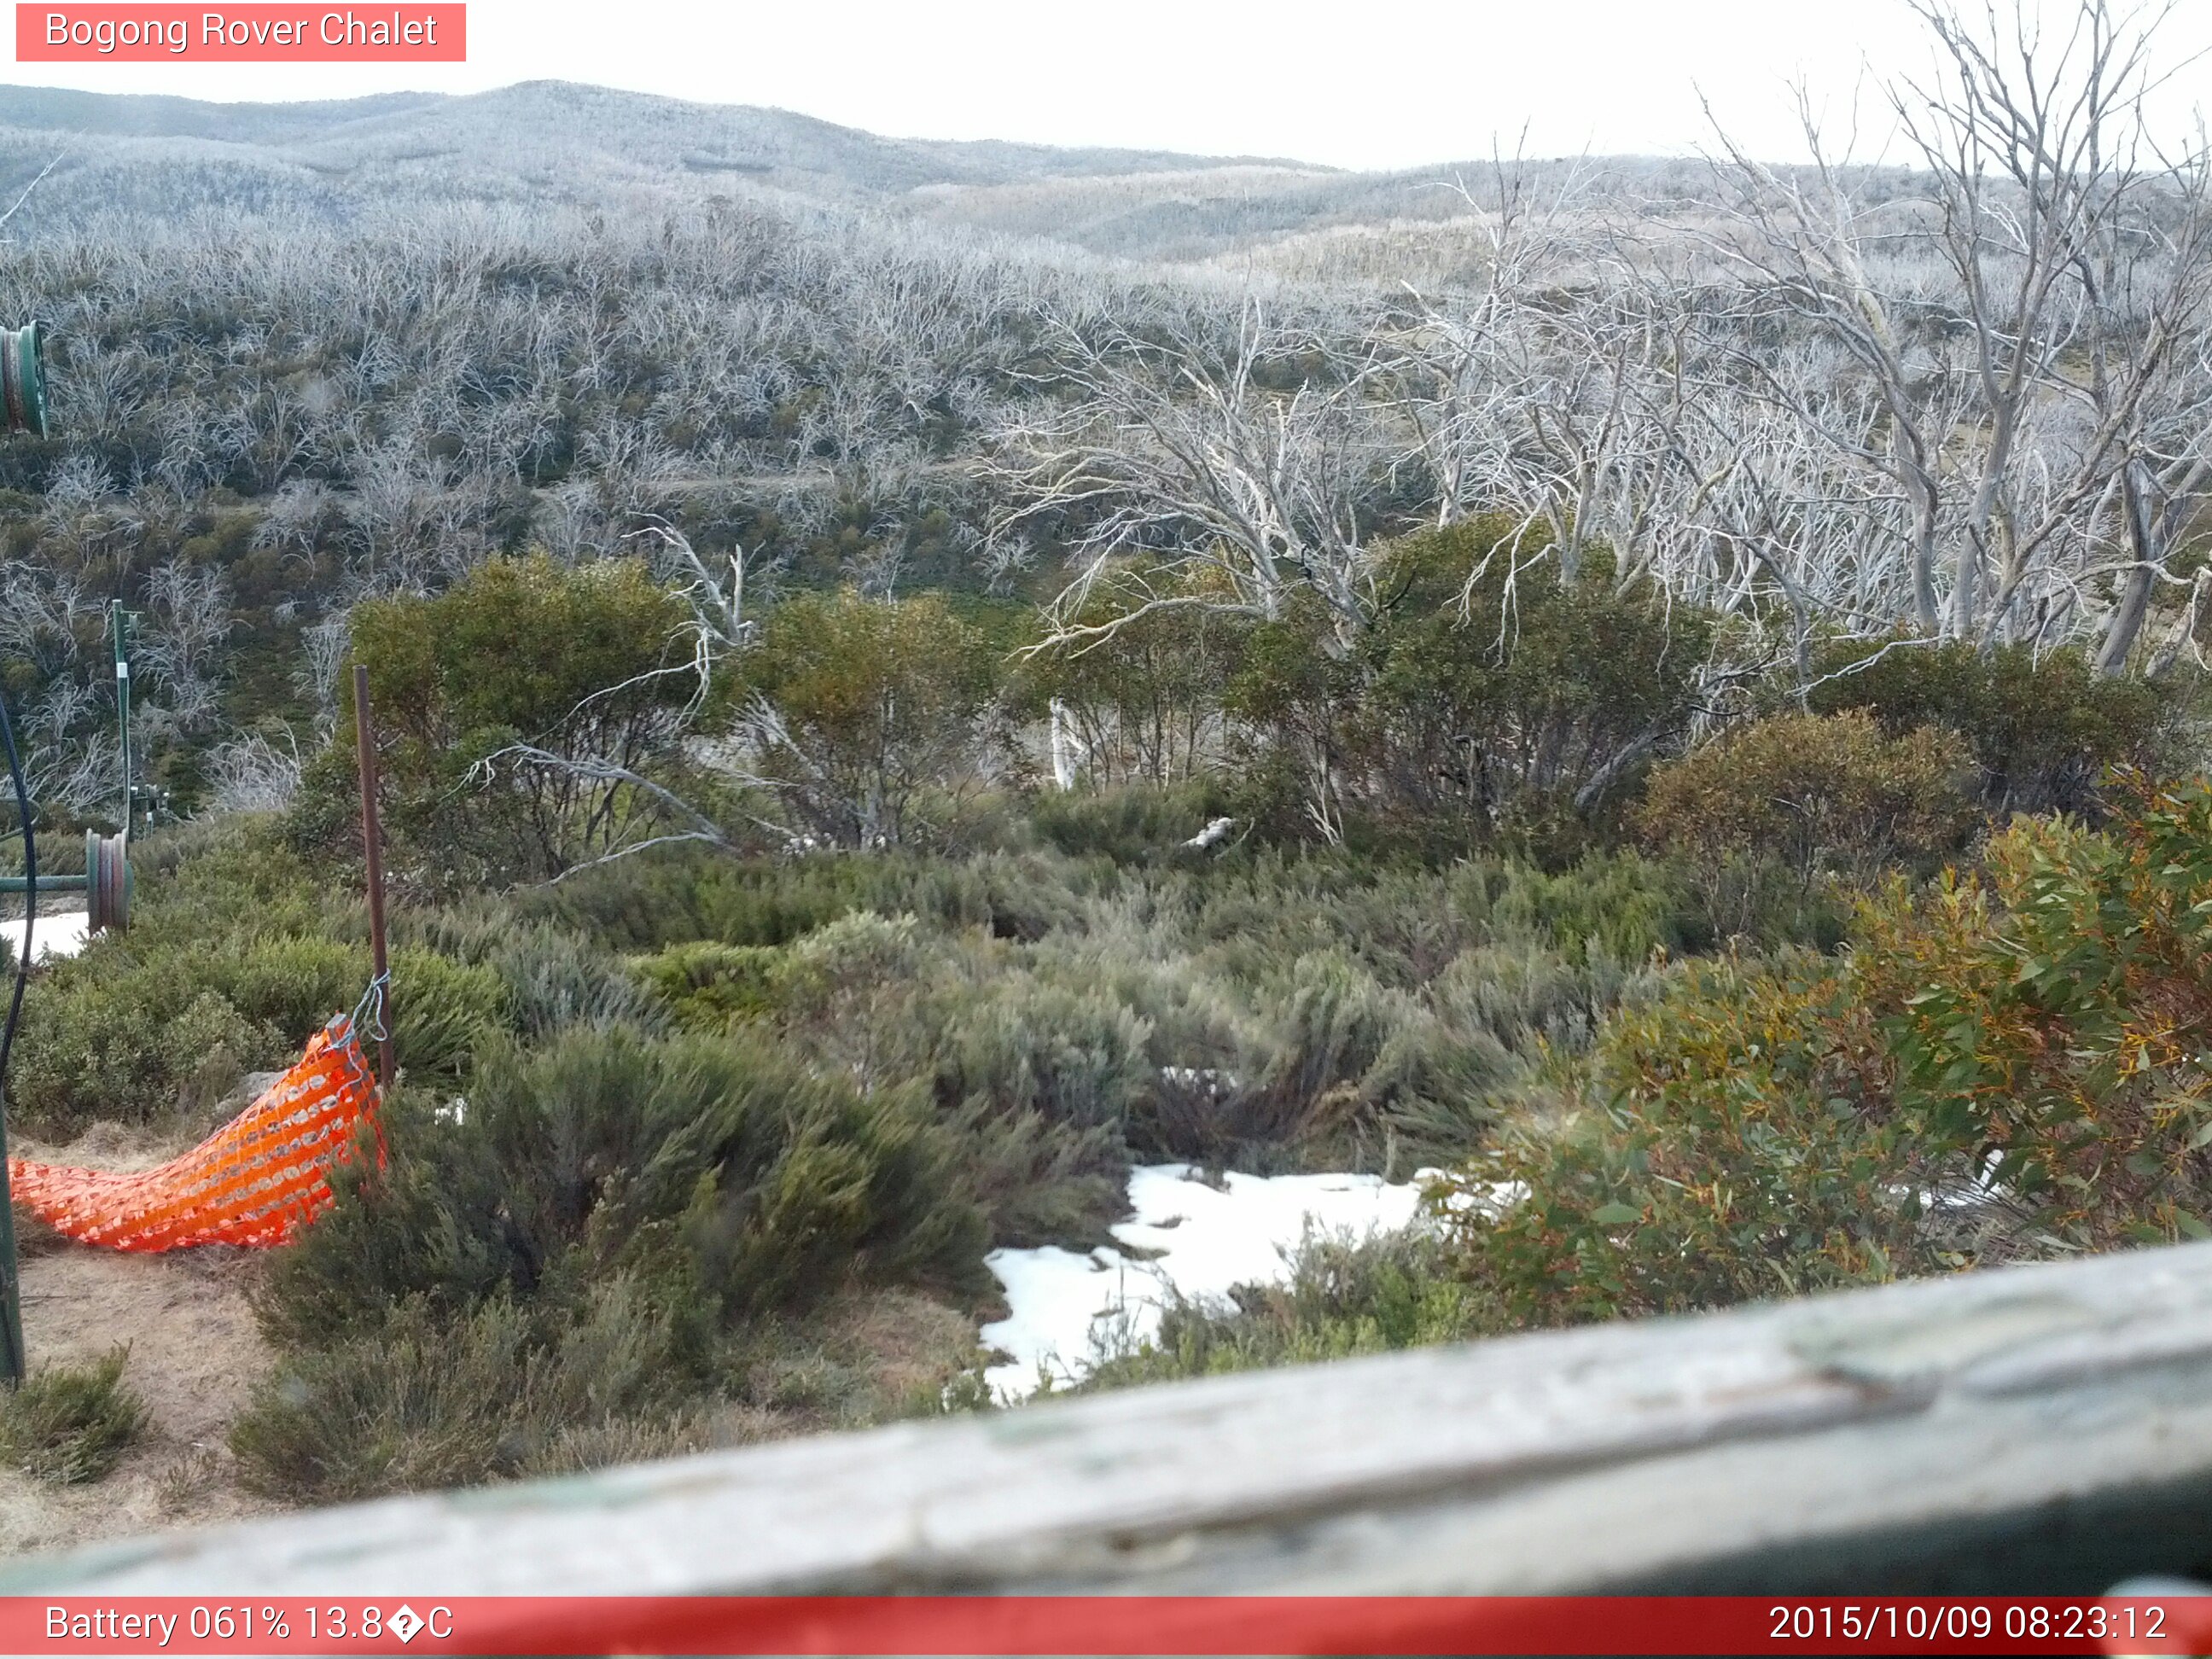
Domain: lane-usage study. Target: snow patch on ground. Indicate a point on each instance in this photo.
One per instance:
(59, 934)
(1065, 1304)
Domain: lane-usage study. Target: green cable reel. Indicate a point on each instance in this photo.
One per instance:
(23, 378)
(106, 882)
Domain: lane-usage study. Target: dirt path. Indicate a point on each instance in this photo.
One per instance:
(195, 1354)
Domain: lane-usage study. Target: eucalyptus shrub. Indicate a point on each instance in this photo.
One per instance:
(2043, 724)
(2010, 1061)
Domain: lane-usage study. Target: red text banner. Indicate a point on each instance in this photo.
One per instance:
(1083, 1625)
(126, 33)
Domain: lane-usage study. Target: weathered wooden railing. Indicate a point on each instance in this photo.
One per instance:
(2042, 1429)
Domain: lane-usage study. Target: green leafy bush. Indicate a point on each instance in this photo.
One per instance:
(132, 1027)
(1144, 699)
(1134, 826)
(2043, 725)
(1038, 1079)
(549, 976)
(128, 1041)
(2009, 1063)
(568, 658)
(576, 1248)
(1489, 693)
(710, 986)
(644, 904)
(68, 1425)
(874, 701)
(1808, 798)
(442, 1011)
(235, 955)
(291, 982)
(1019, 1046)
(1820, 792)
(552, 979)
(235, 877)
(2048, 1016)
(1040, 1180)
(1733, 1140)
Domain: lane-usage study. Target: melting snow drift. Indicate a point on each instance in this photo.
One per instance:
(1212, 1238)
(58, 934)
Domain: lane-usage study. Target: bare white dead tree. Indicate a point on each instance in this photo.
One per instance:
(247, 773)
(716, 599)
(1253, 466)
(188, 620)
(1068, 749)
(2036, 404)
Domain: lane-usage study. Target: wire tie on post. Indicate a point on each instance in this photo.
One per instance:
(372, 1002)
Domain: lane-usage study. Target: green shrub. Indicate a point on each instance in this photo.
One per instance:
(68, 1425)
(875, 701)
(1342, 1297)
(1733, 1140)
(560, 1268)
(1506, 679)
(552, 979)
(2023, 1043)
(1040, 1180)
(1036, 1079)
(231, 878)
(719, 1159)
(1460, 1062)
(1810, 797)
(1135, 826)
(107, 1037)
(430, 1402)
(1046, 1084)
(292, 983)
(1334, 1022)
(849, 957)
(709, 987)
(644, 904)
(1145, 700)
(442, 1011)
(1019, 1047)
(1404, 924)
(1610, 908)
(2049, 1014)
(436, 1400)
(418, 1405)
(568, 658)
(132, 1027)
(1490, 691)
(548, 977)
(238, 951)
(2044, 726)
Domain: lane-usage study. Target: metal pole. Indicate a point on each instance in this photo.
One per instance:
(119, 628)
(11, 1282)
(372, 841)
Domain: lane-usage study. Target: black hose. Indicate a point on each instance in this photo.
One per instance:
(11, 1298)
(30, 903)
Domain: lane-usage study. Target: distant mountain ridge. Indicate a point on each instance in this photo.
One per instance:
(133, 162)
(638, 127)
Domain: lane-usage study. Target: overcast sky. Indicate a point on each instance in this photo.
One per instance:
(1361, 83)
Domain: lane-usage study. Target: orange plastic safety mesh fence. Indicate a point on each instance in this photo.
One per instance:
(257, 1180)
